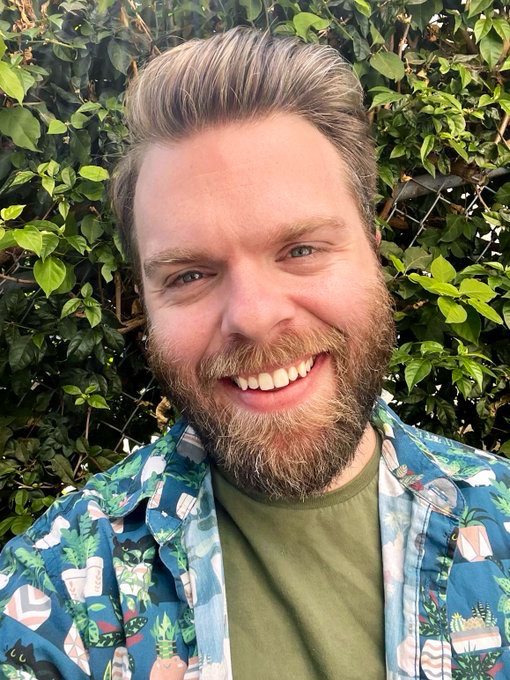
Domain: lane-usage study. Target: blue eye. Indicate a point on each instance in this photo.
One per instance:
(187, 277)
(301, 251)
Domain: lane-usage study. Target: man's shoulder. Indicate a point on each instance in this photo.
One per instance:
(435, 455)
(461, 462)
(113, 493)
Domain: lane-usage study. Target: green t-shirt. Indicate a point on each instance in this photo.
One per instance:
(304, 582)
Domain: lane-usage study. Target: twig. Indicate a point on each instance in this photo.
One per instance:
(87, 423)
(118, 295)
(16, 280)
(132, 324)
(501, 131)
(403, 39)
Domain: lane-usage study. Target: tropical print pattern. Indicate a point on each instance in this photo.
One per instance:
(124, 579)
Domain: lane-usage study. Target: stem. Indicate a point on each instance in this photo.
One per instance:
(16, 280)
(87, 423)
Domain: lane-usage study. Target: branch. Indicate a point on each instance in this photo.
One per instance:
(132, 324)
(16, 280)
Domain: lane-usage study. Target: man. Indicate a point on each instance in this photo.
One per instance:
(245, 202)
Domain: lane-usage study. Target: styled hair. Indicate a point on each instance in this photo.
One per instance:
(238, 75)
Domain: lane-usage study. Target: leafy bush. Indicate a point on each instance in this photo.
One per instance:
(73, 384)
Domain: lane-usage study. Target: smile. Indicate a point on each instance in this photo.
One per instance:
(276, 379)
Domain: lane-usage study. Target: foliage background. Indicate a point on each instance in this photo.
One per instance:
(73, 384)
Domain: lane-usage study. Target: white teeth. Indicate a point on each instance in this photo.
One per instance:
(302, 369)
(281, 378)
(266, 382)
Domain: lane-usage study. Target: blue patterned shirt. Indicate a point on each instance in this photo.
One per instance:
(124, 579)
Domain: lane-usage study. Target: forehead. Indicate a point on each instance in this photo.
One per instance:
(237, 181)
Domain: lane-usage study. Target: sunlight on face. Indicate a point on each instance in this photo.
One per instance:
(269, 322)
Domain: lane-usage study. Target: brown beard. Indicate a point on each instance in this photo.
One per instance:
(297, 452)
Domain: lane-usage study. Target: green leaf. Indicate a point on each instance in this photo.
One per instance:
(477, 6)
(416, 258)
(389, 64)
(253, 8)
(68, 176)
(442, 270)
(21, 352)
(97, 401)
(86, 290)
(506, 313)
(91, 228)
(21, 126)
(416, 370)
(11, 212)
(10, 82)
(56, 127)
(363, 7)
(71, 389)
(385, 96)
(50, 273)
(397, 263)
(49, 242)
(48, 184)
(94, 173)
(482, 27)
(491, 49)
(426, 147)
(431, 346)
(485, 310)
(78, 243)
(304, 21)
(502, 28)
(476, 289)
(119, 55)
(29, 238)
(473, 369)
(93, 314)
(21, 524)
(434, 286)
(22, 177)
(470, 328)
(62, 468)
(70, 307)
(452, 311)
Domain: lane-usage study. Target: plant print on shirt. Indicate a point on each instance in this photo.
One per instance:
(125, 580)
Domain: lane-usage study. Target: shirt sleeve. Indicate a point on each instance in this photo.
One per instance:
(39, 637)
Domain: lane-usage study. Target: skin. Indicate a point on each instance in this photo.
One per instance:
(246, 230)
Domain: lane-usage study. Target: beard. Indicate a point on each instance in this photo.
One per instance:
(291, 453)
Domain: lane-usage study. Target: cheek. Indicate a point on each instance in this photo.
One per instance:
(182, 333)
(342, 303)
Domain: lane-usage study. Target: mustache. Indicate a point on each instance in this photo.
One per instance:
(242, 357)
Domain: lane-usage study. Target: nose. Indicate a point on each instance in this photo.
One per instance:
(257, 304)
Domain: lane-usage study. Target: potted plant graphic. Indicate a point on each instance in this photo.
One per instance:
(436, 653)
(473, 541)
(85, 578)
(479, 631)
(168, 665)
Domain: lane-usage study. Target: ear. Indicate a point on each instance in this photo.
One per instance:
(377, 237)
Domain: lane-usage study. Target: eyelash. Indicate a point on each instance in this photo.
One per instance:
(178, 280)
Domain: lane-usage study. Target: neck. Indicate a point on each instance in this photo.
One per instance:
(363, 454)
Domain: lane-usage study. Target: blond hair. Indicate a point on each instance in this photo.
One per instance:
(244, 74)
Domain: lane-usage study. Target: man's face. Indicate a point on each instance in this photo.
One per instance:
(269, 322)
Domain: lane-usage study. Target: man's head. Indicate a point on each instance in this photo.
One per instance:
(246, 199)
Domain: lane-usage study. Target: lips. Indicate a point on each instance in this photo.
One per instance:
(280, 377)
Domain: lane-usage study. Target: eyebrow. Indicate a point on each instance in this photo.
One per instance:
(280, 233)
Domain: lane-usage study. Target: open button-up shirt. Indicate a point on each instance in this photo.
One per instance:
(124, 578)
